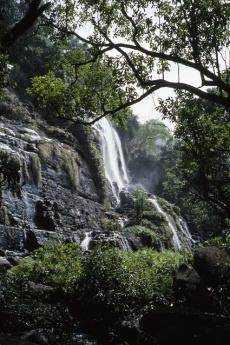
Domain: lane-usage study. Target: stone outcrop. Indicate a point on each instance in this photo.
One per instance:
(4, 264)
(59, 195)
(213, 265)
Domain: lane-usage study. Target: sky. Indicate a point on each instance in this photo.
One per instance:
(146, 109)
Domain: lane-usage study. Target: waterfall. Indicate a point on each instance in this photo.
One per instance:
(176, 241)
(116, 173)
(181, 235)
(125, 243)
(113, 157)
(86, 242)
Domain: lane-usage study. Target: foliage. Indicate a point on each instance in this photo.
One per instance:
(147, 236)
(218, 241)
(56, 265)
(33, 313)
(110, 224)
(72, 86)
(10, 173)
(169, 208)
(146, 38)
(154, 217)
(140, 202)
(148, 140)
(149, 37)
(110, 276)
(198, 165)
(3, 75)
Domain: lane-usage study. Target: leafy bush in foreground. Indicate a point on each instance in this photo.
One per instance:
(106, 275)
(57, 265)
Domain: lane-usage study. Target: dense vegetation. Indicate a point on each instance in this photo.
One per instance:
(107, 276)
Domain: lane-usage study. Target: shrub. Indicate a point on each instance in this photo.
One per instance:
(120, 280)
(154, 217)
(32, 312)
(127, 280)
(147, 236)
(218, 241)
(110, 224)
(140, 202)
(56, 265)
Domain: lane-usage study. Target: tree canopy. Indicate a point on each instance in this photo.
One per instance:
(146, 37)
(197, 165)
(140, 41)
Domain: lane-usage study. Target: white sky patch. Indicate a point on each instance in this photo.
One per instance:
(146, 109)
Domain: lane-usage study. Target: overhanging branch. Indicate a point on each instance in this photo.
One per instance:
(35, 11)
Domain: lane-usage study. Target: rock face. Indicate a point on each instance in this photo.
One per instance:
(126, 201)
(213, 265)
(186, 279)
(4, 264)
(186, 326)
(58, 190)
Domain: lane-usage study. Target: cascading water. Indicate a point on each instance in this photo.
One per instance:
(113, 157)
(176, 241)
(86, 242)
(116, 173)
(181, 235)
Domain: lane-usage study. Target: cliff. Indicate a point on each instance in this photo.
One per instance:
(59, 196)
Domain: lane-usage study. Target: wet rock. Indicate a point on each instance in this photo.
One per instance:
(147, 171)
(212, 264)
(11, 238)
(4, 264)
(12, 340)
(41, 290)
(186, 281)
(37, 238)
(2, 252)
(36, 338)
(14, 260)
(58, 190)
(126, 201)
(134, 241)
(44, 215)
(114, 238)
(186, 326)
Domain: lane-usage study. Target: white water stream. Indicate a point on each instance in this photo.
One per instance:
(113, 157)
(175, 238)
(85, 243)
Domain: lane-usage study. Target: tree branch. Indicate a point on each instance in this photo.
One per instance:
(35, 11)
(115, 110)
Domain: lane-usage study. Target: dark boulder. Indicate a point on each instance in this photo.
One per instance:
(12, 340)
(45, 215)
(128, 331)
(4, 264)
(185, 326)
(126, 201)
(187, 281)
(213, 265)
(11, 323)
(36, 338)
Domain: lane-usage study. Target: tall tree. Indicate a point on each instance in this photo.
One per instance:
(202, 164)
(143, 39)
